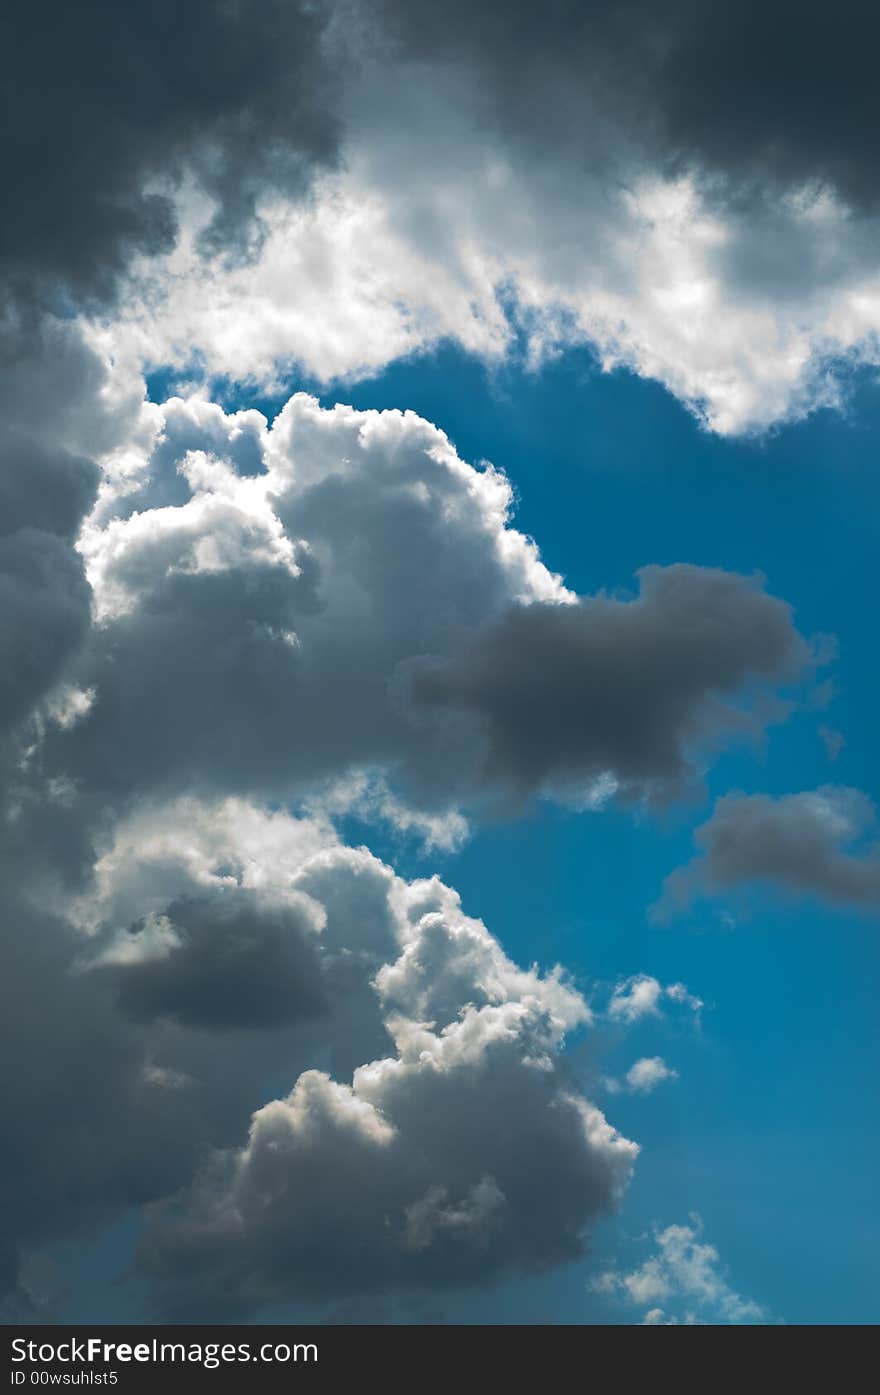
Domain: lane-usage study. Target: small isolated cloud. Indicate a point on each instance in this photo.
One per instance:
(649, 1072)
(818, 843)
(682, 1281)
(642, 996)
(643, 1077)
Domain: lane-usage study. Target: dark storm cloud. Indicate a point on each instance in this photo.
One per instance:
(808, 844)
(762, 93)
(105, 106)
(565, 694)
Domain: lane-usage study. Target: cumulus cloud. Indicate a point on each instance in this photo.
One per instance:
(647, 1073)
(686, 1272)
(642, 1078)
(423, 1171)
(642, 995)
(426, 1155)
(817, 843)
(218, 946)
(338, 607)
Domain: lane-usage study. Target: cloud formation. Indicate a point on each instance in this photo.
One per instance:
(686, 1272)
(732, 260)
(303, 616)
(817, 843)
(445, 1144)
(438, 1141)
(622, 689)
(347, 599)
(672, 199)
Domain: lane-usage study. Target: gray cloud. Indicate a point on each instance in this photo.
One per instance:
(61, 405)
(759, 92)
(108, 109)
(224, 961)
(126, 1069)
(44, 616)
(462, 1157)
(564, 695)
(816, 843)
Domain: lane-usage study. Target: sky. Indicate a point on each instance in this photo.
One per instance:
(438, 536)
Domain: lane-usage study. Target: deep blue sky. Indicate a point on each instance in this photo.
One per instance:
(771, 1131)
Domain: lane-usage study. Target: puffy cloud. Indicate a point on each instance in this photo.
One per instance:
(284, 602)
(219, 946)
(424, 1171)
(647, 1073)
(356, 607)
(642, 995)
(686, 1271)
(626, 689)
(814, 843)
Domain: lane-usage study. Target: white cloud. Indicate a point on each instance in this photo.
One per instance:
(684, 1271)
(743, 313)
(647, 1073)
(642, 996)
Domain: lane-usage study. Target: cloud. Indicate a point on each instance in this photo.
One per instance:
(563, 696)
(732, 260)
(663, 202)
(642, 1078)
(217, 947)
(421, 1172)
(642, 995)
(63, 405)
(649, 1072)
(816, 843)
(237, 99)
(683, 1270)
(337, 607)
(427, 1156)
(656, 73)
